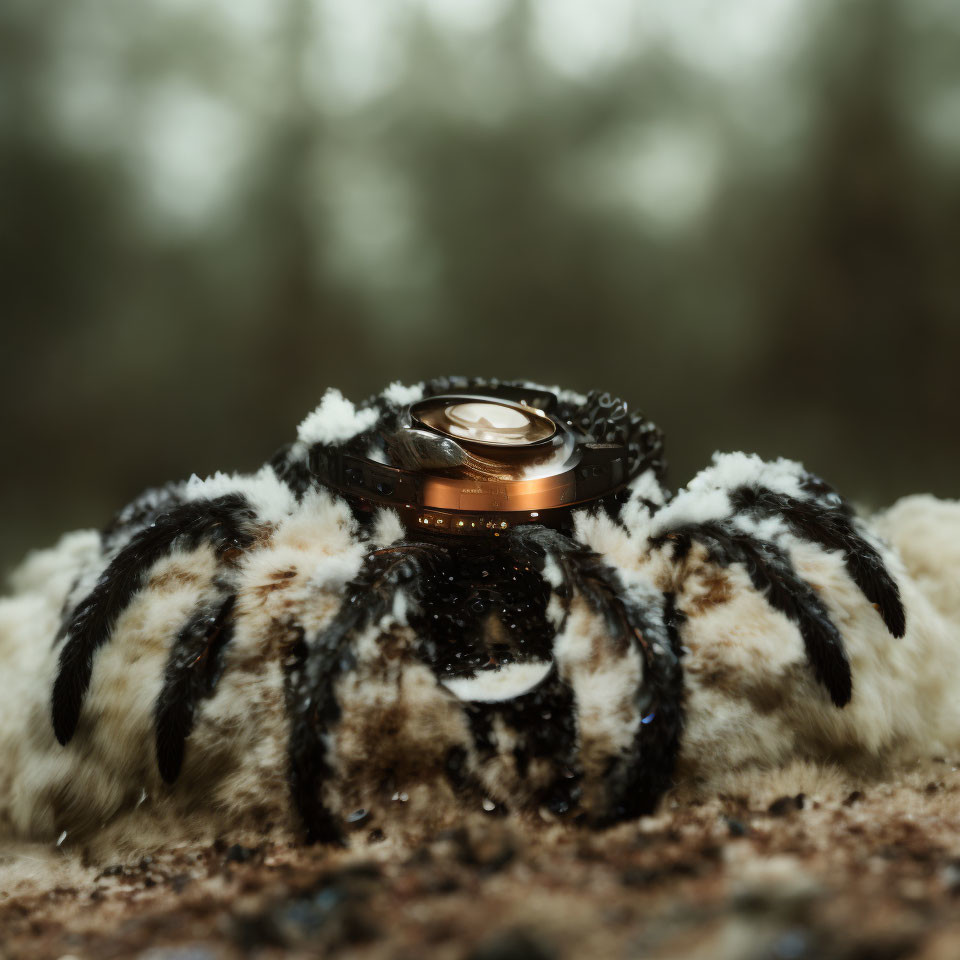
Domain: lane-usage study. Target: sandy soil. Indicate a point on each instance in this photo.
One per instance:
(870, 875)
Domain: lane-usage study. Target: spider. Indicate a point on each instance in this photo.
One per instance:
(562, 670)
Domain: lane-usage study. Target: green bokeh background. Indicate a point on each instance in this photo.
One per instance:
(742, 217)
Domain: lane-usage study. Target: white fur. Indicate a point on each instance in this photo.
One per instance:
(335, 420)
(604, 683)
(505, 683)
(706, 496)
(270, 498)
(402, 395)
(731, 470)
(695, 505)
(646, 486)
(387, 528)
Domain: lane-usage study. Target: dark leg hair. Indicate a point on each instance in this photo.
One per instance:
(634, 781)
(829, 521)
(323, 659)
(543, 723)
(193, 671)
(221, 522)
(772, 573)
(437, 582)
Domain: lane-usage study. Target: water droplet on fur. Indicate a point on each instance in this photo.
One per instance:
(61, 838)
(489, 805)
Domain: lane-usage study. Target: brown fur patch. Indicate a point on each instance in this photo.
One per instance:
(384, 750)
(715, 673)
(716, 591)
(173, 579)
(278, 580)
(277, 642)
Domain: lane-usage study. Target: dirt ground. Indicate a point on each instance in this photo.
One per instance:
(871, 875)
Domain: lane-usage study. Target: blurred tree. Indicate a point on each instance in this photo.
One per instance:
(744, 219)
(856, 346)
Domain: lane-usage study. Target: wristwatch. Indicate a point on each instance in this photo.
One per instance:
(479, 462)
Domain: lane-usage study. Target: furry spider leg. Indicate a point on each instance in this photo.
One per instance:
(140, 513)
(193, 669)
(636, 617)
(535, 740)
(773, 575)
(746, 510)
(829, 521)
(312, 699)
(527, 733)
(630, 781)
(219, 521)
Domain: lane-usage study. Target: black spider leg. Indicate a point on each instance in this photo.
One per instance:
(133, 517)
(220, 522)
(544, 727)
(488, 613)
(772, 574)
(830, 522)
(140, 512)
(324, 659)
(194, 668)
(635, 781)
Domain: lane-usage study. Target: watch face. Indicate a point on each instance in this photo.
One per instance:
(485, 421)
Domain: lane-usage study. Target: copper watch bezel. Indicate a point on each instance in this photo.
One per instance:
(458, 505)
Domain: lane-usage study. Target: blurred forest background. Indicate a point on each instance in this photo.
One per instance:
(743, 217)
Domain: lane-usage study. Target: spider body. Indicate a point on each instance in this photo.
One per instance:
(551, 675)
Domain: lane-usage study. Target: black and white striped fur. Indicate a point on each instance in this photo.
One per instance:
(542, 671)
